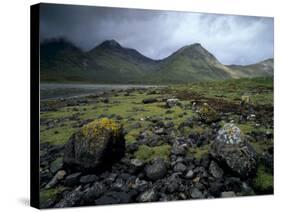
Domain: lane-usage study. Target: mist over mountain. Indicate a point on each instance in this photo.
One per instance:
(109, 62)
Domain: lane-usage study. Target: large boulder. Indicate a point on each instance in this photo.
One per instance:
(208, 114)
(94, 146)
(233, 153)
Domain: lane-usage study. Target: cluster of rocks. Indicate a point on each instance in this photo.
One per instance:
(95, 167)
(98, 167)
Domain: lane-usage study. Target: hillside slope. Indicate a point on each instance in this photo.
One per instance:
(109, 62)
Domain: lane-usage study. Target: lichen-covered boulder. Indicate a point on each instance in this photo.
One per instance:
(233, 153)
(208, 114)
(95, 145)
(172, 102)
(230, 134)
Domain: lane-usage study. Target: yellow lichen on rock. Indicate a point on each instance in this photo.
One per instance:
(245, 99)
(207, 113)
(94, 128)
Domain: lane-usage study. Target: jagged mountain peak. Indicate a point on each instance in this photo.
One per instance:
(110, 44)
(195, 51)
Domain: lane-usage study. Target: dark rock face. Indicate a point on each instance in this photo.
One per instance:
(73, 179)
(149, 100)
(88, 179)
(114, 198)
(240, 159)
(96, 144)
(156, 170)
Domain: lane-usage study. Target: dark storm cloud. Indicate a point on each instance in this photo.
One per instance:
(157, 34)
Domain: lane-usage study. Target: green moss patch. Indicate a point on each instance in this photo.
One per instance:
(49, 195)
(57, 135)
(263, 182)
(147, 153)
(199, 152)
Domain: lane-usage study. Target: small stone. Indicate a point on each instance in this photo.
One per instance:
(215, 170)
(72, 180)
(178, 149)
(156, 170)
(226, 194)
(94, 192)
(71, 199)
(88, 179)
(58, 177)
(189, 174)
(56, 165)
(118, 185)
(106, 200)
(159, 131)
(137, 162)
(195, 193)
(180, 167)
(147, 196)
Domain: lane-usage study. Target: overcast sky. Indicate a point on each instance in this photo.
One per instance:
(157, 34)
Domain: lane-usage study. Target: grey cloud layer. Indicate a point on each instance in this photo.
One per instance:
(157, 34)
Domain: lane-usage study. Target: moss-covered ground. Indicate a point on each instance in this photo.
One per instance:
(130, 111)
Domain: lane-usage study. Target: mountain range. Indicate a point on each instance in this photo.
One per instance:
(109, 62)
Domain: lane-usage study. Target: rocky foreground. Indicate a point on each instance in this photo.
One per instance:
(155, 144)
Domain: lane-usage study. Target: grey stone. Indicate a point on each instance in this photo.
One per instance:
(58, 177)
(156, 170)
(189, 174)
(215, 170)
(226, 194)
(147, 196)
(172, 102)
(195, 193)
(180, 167)
(56, 165)
(94, 192)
